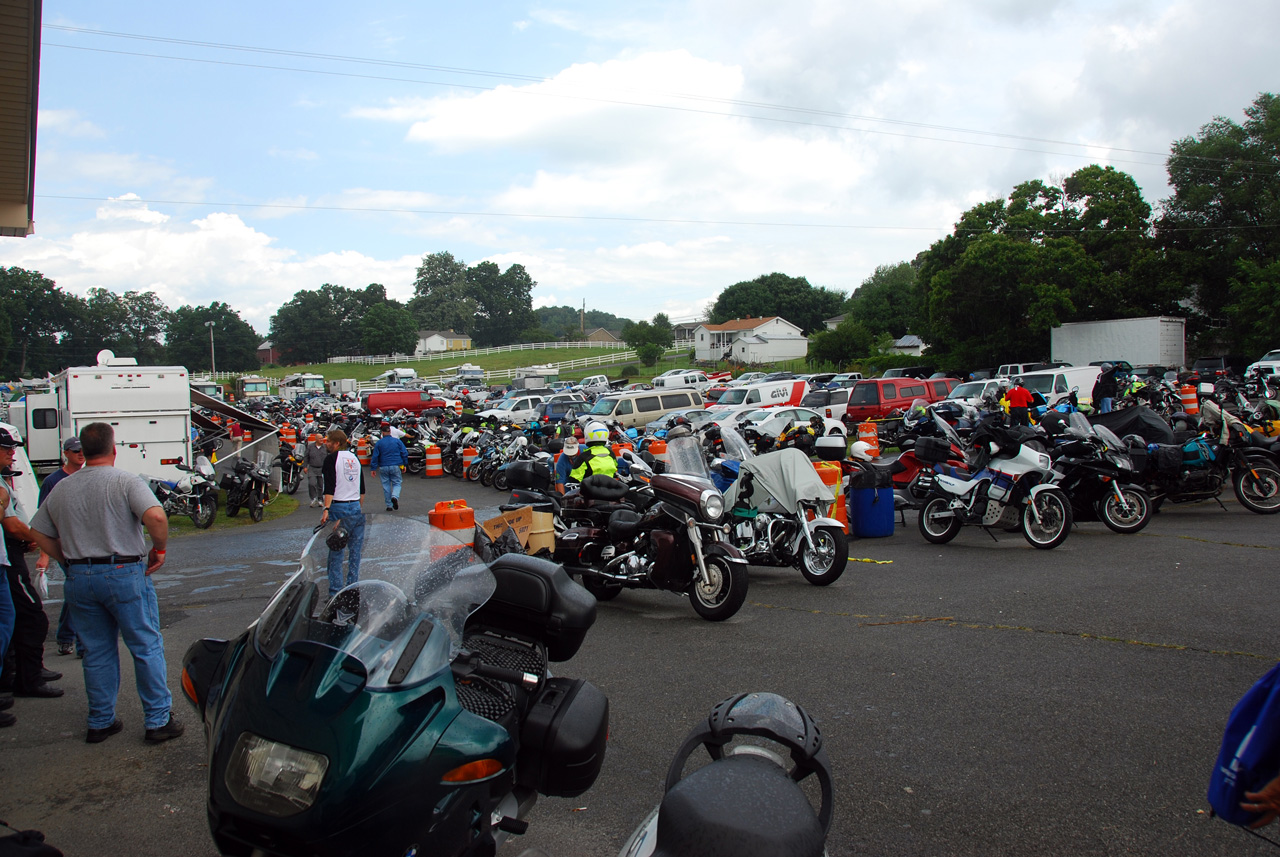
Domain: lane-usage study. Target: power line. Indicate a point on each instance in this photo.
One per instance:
(621, 219)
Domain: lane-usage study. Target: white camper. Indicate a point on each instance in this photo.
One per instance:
(148, 406)
(301, 384)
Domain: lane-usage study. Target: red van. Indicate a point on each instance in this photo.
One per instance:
(878, 397)
(414, 401)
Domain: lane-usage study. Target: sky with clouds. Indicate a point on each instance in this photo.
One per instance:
(639, 156)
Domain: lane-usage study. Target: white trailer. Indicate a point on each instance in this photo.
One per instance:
(302, 384)
(399, 375)
(209, 387)
(342, 386)
(1151, 341)
(148, 406)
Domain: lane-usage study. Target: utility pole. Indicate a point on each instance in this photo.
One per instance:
(213, 363)
(582, 317)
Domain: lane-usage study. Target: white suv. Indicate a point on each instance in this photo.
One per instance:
(1268, 365)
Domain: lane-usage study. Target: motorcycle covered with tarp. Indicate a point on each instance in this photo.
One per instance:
(778, 512)
(412, 712)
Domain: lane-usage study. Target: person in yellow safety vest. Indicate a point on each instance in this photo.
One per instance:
(596, 458)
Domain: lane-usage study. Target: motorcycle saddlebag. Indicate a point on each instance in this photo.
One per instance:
(933, 450)
(563, 740)
(227, 482)
(537, 600)
(529, 474)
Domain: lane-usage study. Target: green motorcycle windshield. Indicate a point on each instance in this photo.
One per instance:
(403, 620)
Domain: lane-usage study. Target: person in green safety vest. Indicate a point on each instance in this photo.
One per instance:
(596, 458)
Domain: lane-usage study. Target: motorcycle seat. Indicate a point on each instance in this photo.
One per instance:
(624, 523)
(600, 487)
(953, 471)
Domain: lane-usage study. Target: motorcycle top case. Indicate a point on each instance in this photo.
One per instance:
(563, 739)
(529, 474)
(536, 599)
(830, 448)
(933, 450)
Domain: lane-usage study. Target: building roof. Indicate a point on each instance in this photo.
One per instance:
(740, 324)
(19, 96)
(447, 334)
(266, 345)
(836, 319)
(908, 341)
(616, 334)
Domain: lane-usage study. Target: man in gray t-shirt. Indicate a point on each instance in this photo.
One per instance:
(93, 523)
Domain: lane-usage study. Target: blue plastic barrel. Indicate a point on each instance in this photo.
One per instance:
(871, 513)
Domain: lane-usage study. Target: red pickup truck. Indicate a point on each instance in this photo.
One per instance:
(876, 398)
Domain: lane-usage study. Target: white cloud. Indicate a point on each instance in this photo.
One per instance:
(67, 122)
(128, 207)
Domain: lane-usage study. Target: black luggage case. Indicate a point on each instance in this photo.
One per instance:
(563, 740)
(536, 599)
(933, 450)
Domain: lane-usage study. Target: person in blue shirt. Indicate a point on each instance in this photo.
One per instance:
(389, 455)
(565, 462)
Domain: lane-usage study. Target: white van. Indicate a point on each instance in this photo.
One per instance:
(1055, 384)
(643, 406)
(766, 395)
(595, 384)
(693, 378)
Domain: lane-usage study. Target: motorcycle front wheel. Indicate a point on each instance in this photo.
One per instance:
(933, 526)
(473, 472)
(205, 512)
(500, 481)
(825, 564)
(1258, 488)
(723, 595)
(415, 466)
(256, 508)
(233, 507)
(1127, 516)
(1055, 519)
(486, 477)
(291, 487)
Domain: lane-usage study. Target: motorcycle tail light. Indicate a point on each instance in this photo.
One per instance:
(273, 778)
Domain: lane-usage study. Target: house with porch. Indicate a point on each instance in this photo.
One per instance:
(750, 340)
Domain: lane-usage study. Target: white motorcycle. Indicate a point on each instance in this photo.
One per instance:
(194, 494)
(1008, 485)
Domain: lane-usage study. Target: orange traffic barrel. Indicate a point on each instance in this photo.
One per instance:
(457, 407)
(1190, 402)
(248, 436)
(868, 434)
(830, 473)
(217, 419)
(362, 451)
(455, 519)
(313, 438)
(289, 434)
(311, 418)
(434, 466)
(469, 454)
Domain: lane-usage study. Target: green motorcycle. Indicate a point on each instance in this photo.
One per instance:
(409, 713)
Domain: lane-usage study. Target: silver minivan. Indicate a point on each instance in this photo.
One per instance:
(643, 406)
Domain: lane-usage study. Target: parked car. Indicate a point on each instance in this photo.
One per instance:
(774, 421)
(876, 398)
(1210, 369)
(413, 401)
(518, 409)
(830, 402)
(1269, 364)
(846, 379)
(553, 412)
(909, 372)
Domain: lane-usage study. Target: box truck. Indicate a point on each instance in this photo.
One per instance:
(1151, 341)
(341, 386)
(302, 385)
(148, 406)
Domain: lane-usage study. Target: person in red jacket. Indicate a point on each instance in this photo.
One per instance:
(1019, 399)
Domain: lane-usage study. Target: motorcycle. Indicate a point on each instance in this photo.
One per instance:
(193, 494)
(1093, 467)
(789, 526)
(291, 459)
(676, 545)
(1007, 484)
(1201, 467)
(411, 712)
(248, 486)
(748, 800)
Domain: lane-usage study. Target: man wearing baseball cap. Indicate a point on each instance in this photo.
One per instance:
(565, 462)
(72, 460)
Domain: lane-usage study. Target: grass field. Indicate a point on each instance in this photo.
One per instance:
(490, 362)
(279, 506)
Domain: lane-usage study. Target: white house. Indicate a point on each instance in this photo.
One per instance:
(750, 340)
(910, 344)
(435, 341)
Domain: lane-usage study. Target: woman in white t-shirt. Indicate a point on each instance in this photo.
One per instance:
(343, 498)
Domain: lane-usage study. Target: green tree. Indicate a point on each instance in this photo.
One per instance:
(442, 298)
(1225, 206)
(505, 301)
(389, 328)
(791, 298)
(322, 323)
(37, 312)
(840, 347)
(1254, 307)
(887, 301)
(570, 323)
(649, 339)
(235, 342)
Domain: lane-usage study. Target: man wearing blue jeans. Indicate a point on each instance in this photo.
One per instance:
(93, 525)
(343, 500)
(389, 455)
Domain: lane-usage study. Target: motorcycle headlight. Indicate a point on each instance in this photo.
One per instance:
(273, 778)
(711, 504)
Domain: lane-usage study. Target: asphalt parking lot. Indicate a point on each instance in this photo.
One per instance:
(976, 698)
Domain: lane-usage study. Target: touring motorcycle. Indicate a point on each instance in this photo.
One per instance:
(412, 712)
(194, 494)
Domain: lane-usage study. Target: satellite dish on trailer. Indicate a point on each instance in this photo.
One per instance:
(105, 356)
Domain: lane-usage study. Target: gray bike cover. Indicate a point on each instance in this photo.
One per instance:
(787, 475)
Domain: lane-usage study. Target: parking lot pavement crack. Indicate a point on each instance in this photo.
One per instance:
(952, 622)
(1207, 541)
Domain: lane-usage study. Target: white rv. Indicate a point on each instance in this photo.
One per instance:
(212, 389)
(397, 376)
(302, 384)
(148, 406)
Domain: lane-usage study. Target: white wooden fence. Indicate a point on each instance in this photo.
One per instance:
(382, 359)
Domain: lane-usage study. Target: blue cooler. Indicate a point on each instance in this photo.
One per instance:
(871, 514)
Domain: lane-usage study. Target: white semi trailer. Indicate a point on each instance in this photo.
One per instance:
(1151, 341)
